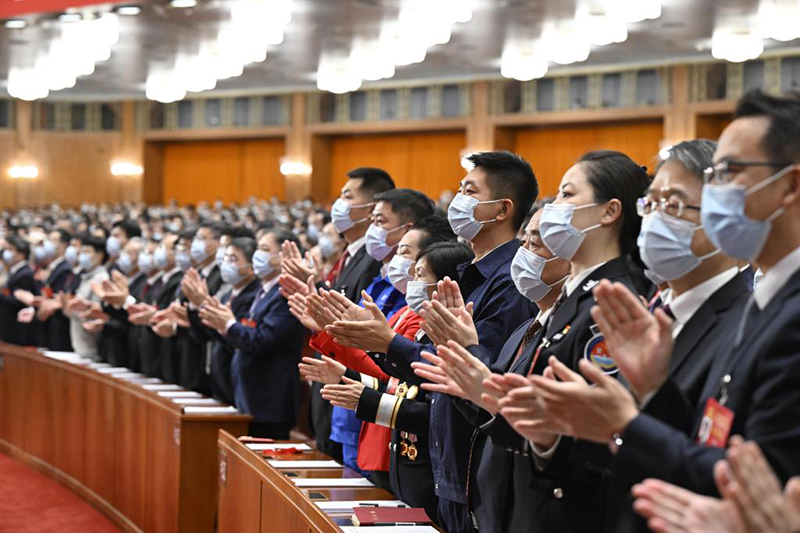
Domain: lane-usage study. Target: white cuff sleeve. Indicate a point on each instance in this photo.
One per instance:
(130, 300)
(230, 323)
(542, 457)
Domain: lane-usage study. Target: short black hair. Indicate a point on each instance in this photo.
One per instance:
(409, 205)
(129, 227)
(217, 228)
(246, 245)
(238, 231)
(695, 156)
(612, 175)
(509, 176)
(63, 235)
(436, 229)
(282, 235)
(98, 244)
(443, 258)
(20, 245)
(373, 180)
(782, 140)
(187, 234)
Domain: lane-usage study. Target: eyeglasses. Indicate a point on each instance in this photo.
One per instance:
(674, 207)
(724, 171)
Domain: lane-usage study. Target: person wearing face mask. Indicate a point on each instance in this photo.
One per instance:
(330, 247)
(351, 215)
(228, 233)
(92, 258)
(268, 344)
(121, 232)
(20, 277)
(751, 209)
(236, 272)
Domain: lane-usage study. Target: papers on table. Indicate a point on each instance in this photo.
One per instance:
(346, 507)
(127, 375)
(189, 410)
(303, 464)
(195, 401)
(162, 386)
(69, 357)
(332, 482)
(112, 370)
(97, 366)
(389, 529)
(179, 394)
(258, 446)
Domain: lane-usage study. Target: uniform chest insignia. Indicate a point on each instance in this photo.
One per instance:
(560, 335)
(589, 285)
(597, 353)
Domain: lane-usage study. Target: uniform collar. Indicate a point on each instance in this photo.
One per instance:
(494, 259)
(776, 278)
(575, 282)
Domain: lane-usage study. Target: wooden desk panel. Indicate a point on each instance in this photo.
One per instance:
(252, 492)
(132, 454)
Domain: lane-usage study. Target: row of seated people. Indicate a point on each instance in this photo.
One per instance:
(600, 374)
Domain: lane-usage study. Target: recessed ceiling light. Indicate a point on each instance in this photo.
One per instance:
(70, 17)
(183, 3)
(15, 24)
(128, 10)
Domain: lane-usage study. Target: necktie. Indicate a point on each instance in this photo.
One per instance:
(339, 266)
(530, 333)
(257, 299)
(668, 311)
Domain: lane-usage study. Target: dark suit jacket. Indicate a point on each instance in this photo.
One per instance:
(353, 278)
(54, 332)
(141, 292)
(113, 341)
(194, 356)
(153, 364)
(266, 380)
(11, 331)
(507, 492)
(763, 393)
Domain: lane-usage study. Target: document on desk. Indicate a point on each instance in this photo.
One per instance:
(210, 410)
(161, 386)
(260, 447)
(332, 482)
(389, 529)
(303, 464)
(113, 370)
(179, 394)
(69, 357)
(345, 507)
(126, 375)
(195, 401)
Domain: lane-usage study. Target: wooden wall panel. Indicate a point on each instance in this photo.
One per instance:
(711, 126)
(551, 150)
(429, 162)
(230, 170)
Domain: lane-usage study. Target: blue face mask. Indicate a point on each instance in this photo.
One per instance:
(86, 261)
(198, 251)
(8, 256)
(461, 215)
(220, 257)
(417, 294)
(184, 260)
(326, 246)
(113, 246)
(146, 263)
(125, 263)
(40, 254)
(50, 248)
(665, 244)
(161, 258)
(558, 233)
(727, 226)
(230, 273)
(71, 255)
(340, 215)
(262, 265)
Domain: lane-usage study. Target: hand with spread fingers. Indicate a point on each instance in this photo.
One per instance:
(297, 306)
(164, 328)
(449, 294)
(290, 285)
(194, 287)
(26, 298)
(346, 395)
(113, 294)
(672, 509)
(77, 305)
(519, 404)
(48, 308)
(216, 315)
(373, 335)
(443, 324)
(640, 343)
(344, 309)
(26, 315)
(94, 326)
(436, 378)
(467, 371)
(293, 263)
(573, 407)
(325, 370)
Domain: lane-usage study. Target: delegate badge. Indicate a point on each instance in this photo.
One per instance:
(597, 353)
(715, 428)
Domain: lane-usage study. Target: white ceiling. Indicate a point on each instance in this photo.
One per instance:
(157, 34)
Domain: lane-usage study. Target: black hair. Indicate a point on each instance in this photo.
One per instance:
(129, 227)
(187, 234)
(782, 140)
(246, 245)
(238, 231)
(409, 205)
(282, 235)
(20, 244)
(695, 156)
(63, 235)
(443, 258)
(217, 228)
(373, 180)
(96, 243)
(509, 176)
(436, 229)
(615, 175)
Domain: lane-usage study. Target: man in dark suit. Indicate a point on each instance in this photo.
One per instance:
(352, 215)
(20, 277)
(237, 272)
(268, 344)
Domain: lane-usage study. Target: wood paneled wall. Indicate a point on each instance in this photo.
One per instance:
(231, 170)
(429, 162)
(551, 150)
(711, 126)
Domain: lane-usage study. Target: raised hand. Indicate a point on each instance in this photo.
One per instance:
(373, 335)
(325, 370)
(47, 308)
(292, 262)
(443, 324)
(344, 309)
(346, 395)
(640, 343)
(164, 328)
(437, 379)
(94, 326)
(194, 287)
(290, 285)
(26, 315)
(297, 306)
(216, 315)
(24, 297)
(449, 294)
(467, 371)
(113, 293)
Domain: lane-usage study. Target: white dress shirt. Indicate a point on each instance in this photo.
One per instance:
(684, 307)
(776, 278)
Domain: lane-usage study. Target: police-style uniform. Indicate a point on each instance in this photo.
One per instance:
(510, 490)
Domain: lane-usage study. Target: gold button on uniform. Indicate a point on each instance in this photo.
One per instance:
(558, 493)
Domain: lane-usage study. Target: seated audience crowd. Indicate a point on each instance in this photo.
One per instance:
(595, 361)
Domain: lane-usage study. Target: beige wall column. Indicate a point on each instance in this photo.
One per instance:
(131, 150)
(680, 123)
(298, 149)
(480, 130)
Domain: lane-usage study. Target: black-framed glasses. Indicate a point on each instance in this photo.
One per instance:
(674, 207)
(724, 171)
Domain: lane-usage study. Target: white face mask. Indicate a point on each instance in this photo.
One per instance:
(398, 272)
(417, 294)
(526, 272)
(665, 244)
(376, 242)
(340, 215)
(558, 233)
(461, 215)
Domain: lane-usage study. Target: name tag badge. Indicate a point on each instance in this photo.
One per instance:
(249, 322)
(715, 428)
(47, 292)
